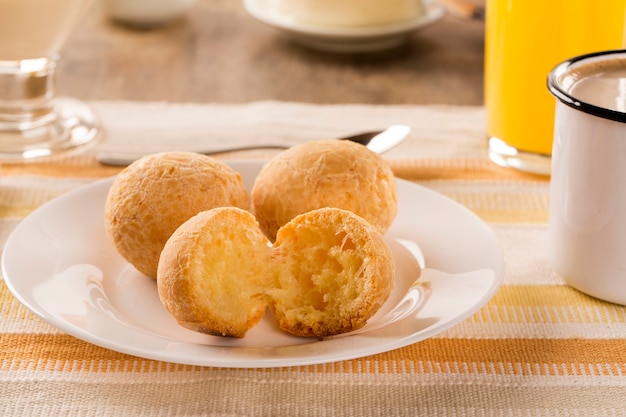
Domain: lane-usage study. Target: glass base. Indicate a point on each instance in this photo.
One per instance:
(71, 126)
(509, 157)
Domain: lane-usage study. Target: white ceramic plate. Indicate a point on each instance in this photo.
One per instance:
(60, 264)
(343, 39)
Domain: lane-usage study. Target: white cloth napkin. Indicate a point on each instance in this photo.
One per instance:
(152, 127)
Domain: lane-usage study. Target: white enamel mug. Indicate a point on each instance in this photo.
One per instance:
(587, 226)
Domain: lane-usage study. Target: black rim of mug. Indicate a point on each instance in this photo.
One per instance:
(567, 99)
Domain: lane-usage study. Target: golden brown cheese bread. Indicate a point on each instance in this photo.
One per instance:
(212, 275)
(325, 173)
(327, 273)
(335, 272)
(150, 198)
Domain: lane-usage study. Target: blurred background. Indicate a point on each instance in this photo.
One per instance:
(218, 52)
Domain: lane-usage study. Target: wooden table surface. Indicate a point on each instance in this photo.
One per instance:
(219, 53)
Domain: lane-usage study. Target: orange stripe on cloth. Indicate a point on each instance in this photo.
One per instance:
(454, 169)
(547, 304)
(536, 357)
(512, 304)
(16, 212)
(86, 166)
(75, 166)
(550, 295)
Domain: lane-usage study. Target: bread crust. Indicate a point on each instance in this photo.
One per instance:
(324, 173)
(150, 198)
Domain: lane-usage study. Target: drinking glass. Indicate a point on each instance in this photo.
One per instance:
(33, 122)
(524, 40)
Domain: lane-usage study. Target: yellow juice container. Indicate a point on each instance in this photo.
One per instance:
(524, 40)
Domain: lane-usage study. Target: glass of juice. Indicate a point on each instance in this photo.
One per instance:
(33, 122)
(524, 40)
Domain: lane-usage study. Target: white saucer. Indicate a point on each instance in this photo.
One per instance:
(343, 39)
(60, 264)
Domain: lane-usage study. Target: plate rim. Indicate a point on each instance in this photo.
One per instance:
(266, 362)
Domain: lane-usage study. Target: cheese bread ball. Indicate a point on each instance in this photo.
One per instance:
(335, 272)
(328, 273)
(214, 271)
(149, 199)
(325, 173)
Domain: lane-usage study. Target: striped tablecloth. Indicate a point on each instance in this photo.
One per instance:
(538, 348)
